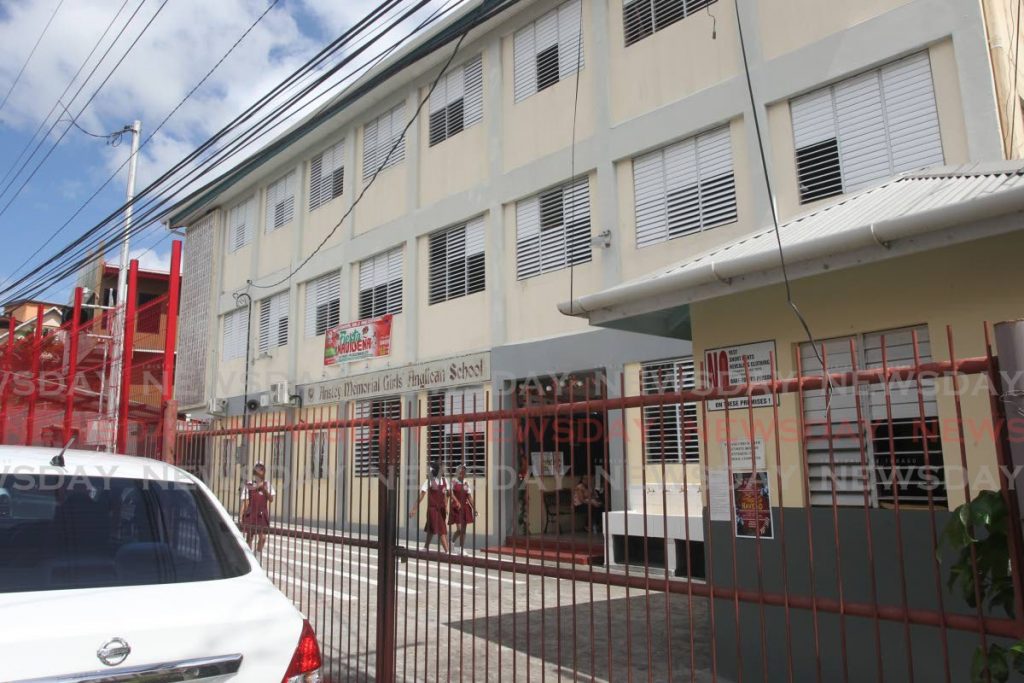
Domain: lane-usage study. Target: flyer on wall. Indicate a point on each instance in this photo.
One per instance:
(752, 502)
(370, 338)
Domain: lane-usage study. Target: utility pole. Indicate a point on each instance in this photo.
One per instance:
(117, 360)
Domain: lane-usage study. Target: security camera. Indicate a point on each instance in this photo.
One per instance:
(252, 404)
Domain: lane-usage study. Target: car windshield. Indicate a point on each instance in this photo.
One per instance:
(60, 531)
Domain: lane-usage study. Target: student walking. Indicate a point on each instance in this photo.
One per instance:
(257, 495)
(463, 509)
(435, 488)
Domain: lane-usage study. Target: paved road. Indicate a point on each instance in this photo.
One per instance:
(457, 623)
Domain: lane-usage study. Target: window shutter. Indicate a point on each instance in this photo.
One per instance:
(475, 263)
(458, 443)
(379, 136)
(570, 38)
(642, 18)
(326, 176)
(547, 50)
(366, 451)
(280, 207)
(323, 303)
(553, 229)
(240, 224)
(457, 261)
(235, 334)
(473, 83)
(380, 284)
(456, 102)
(866, 128)
(273, 326)
(670, 429)
(524, 46)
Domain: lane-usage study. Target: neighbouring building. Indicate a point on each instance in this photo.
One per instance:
(603, 155)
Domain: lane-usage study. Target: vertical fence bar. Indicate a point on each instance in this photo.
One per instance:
(171, 328)
(37, 344)
(8, 377)
(72, 376)
(126, 354)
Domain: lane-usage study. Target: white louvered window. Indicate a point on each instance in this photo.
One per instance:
(458, 443)
(323, 303)
(366, 446)
(457, 102)
(548, 50)
(670, 429)
(241, 222)
(553, 229)
(380, 284)
(326, 176)
(234, 334)
(684, 188)
(273, 322)
(457, 261)
(641, 18)
(833, 435)
(857, 132)
(380, 137)
(281, 202)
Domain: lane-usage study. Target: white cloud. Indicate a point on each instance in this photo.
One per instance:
(151, 259)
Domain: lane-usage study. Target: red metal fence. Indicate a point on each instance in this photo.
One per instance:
(815, 537)
(59, 380)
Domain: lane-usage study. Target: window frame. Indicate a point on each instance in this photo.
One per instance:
(464, 269)
(651, 23)
(280, 211)
(464, 85)
(235, 332)
(324, 283)
(458, 443)
(376, 148)
(320, 192)
(562, 29)
(541, 223)
(667, 376)
(273, 311)
(384, 286)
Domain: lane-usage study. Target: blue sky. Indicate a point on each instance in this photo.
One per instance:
(184, 41)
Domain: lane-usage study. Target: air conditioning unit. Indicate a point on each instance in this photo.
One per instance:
(264, 400)
(279, 394)
(217, 406)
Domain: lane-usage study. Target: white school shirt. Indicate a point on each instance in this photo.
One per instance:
(436, 480)
(269, 489)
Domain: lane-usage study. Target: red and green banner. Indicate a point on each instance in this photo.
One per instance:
(370, 338)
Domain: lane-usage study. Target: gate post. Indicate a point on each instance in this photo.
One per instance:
(8, 377)
(387, 538)
(127, 355)
(69, 398)
(37, 348)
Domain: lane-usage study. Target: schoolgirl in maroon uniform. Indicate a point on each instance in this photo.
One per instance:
(257, 495)
(435, 489)
(463, 510)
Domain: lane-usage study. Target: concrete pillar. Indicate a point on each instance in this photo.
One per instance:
(1009, 338)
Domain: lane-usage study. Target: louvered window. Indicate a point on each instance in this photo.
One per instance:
(684, 188)
(457, 261)
(380, 136)
(319, 454)
(548, 50)
(326, 176)
(280, 202)
(459, 443)
(670, 429)
(833, 435)
(380, 284)
(273, 322)
(553, 229)
(457, 102)
(867, 128)
(323, 303)
(241, 220)
(235, 334)
(366, 451)
(641, 18)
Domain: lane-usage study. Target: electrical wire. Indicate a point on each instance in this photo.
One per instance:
(30, 54)
(109, 137)
(54, 275)
(383, 165)
(771, 199)
(572, 157)
(96, 92)
(156, 130)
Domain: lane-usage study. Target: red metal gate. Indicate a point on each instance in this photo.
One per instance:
(820, 535)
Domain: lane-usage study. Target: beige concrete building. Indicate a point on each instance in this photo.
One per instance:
(575, 151)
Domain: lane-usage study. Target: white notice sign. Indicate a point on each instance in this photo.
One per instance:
(728, 367)
(739, 449)
(719, 495)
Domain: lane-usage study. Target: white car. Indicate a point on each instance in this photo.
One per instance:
(115, 568)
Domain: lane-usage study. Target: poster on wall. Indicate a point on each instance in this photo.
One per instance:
(548, 464)
(728, 367)
(752, 502)
(370, 338)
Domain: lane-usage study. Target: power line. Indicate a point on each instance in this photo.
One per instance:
(383, 164)
(30, 54)
(156, 130)
(238, 144)
(87, 103)
(572, 155)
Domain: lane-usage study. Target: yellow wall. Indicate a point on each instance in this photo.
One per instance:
(671, 64)
(453, 165)
(790, 25)
(959, 286)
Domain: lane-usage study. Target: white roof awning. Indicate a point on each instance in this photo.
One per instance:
(894, 219)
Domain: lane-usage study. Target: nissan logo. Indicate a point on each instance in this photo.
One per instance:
(113, 652)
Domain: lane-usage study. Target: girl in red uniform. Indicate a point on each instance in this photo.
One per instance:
(463, 511)
(436, 489)
(257, 495)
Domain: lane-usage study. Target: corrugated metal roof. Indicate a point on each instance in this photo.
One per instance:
(911, 204)
(907, 194)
